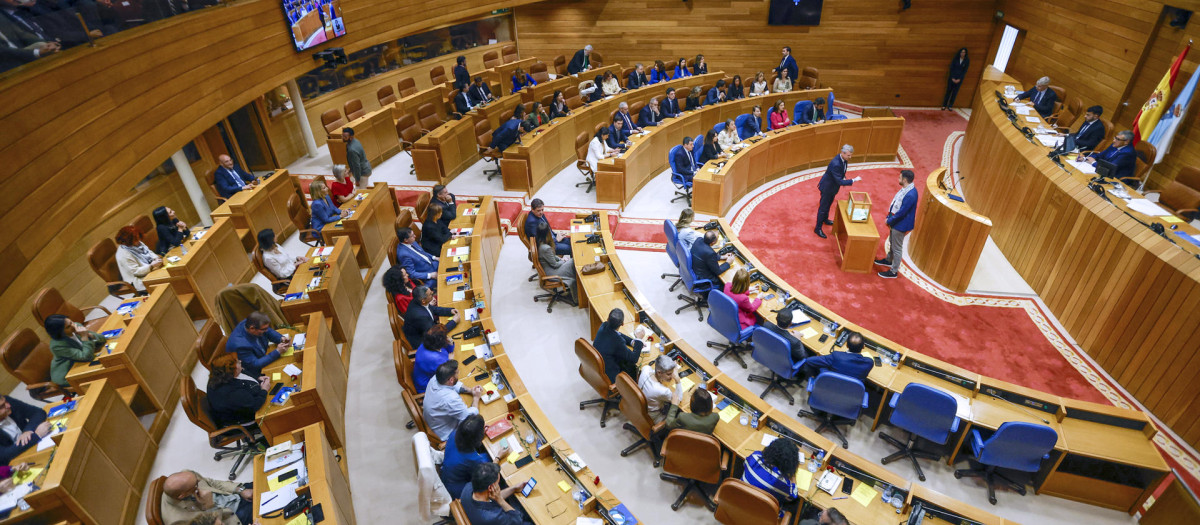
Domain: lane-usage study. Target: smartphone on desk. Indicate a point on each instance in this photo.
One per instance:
(847, 484)
(528, 488)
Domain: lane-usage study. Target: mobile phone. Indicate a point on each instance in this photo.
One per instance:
(484, 375)
(454, 269)
(878, 361)
(685, 373)
(275, 389)
(847, 483)
(528, 487)
(287, 475)
(469, 360)
(523, 461)
(824, 337)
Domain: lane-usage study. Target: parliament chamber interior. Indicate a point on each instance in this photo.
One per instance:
(556, 262)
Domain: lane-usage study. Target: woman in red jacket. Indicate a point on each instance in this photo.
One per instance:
(739, 290)
(779, 117)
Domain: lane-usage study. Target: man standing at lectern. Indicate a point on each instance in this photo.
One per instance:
(901, 215)
(832, 181)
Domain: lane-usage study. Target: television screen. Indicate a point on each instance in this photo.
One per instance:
(794, 13)
(313, 21)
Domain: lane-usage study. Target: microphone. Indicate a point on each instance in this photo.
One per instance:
(1020, 406)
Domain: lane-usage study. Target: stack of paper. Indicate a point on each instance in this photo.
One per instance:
(277, 499)
(321, 252)
(1146, 207)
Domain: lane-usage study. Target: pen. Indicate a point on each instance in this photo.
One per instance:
(843, 497)
(268, 500)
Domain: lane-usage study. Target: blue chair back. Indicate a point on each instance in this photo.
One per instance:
(926, 412)
(1018, 446)
(838, 394)
(804, 107)
(677, 178)
(688, 275)
(831, 111)
(719, 127)
(672, 241)
(773, 351)
(740, 123)
(723, 316)
(697, 149)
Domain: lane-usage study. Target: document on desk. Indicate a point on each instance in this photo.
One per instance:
(321, 252)
(1050, 141)
(274, 500)
(1034, 120)
(1021, 110)
(291, 370)
(9, 500)
(1084, 167)
(1144, 206)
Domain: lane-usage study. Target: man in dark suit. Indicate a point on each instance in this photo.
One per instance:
(716, 94)
(462, 101)
(815, 113)
(1120, 154)
(537, 215)
(627, 119)
(420, 265)
(509, 132)
(230, 179)
(704, 260)
(650, 114)
(1042, 97)
(614, 347)
(751, 126)
(670, 105)
(637, 78)
(851, 362)
(20, 46)
(460, 71)
(1091, 132)
(618, 135)
(902, 214)
(480, 92)
(581, 61)
(789, 64)
(21, 427)
(442, 197)
(421, 316)
(250, 340)
(831, 182)
(783, 320)
(685, 161)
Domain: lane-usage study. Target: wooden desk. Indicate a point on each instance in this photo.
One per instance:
(949, 508)
(493, 110)
(563, 82)
(503, 73)
(200, 268)
(151, 355)
(856, 241)
(328, 481)
(98, 469)
(377, 133)
(865, 472)
(322, 383)
(445, 152)
(948, 237)
(787, 151)
(262, 207)
(370, 228)
(339, 295)
(410, 104)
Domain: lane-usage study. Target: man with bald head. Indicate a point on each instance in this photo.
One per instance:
(188, 495)
(230, 179)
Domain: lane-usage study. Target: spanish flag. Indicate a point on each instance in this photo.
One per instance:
(1147, 118)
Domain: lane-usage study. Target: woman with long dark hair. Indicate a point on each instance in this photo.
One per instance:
(70, 343)
(234, 398)
(171, 231)
(958, 71)
(399, 287)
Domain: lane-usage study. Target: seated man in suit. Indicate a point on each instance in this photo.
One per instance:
(22, 46)
(851, 362)
(670, 105)
(753, 125)
(704, 260)
(422, 314)
(188, 496)
(685, 161)
(443, 406)
(783, 320)
(230, 179)
(509, 132)
(650, 114)
(637, 78)
(463, 102)
(816, 113)
(251, 339)
(419, 264)
(480, 92)
(537, 216)
(22, 426)
(626, 119)
(1091, 132)
(1042, 97)
(1120, 153)
(618, 135)
(615, 347)
(716, 94)
(581, 61)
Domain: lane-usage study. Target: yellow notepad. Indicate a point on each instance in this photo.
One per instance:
(513, 457)
(276, 376)
(686, 384)
(564, 486)
(1171, 219)
(803, 478)
(728, 413)
(863, 494)
(300, 520)
(25, 477)
(808, 333)
(286, 350)
(467, 347)
(489, 387)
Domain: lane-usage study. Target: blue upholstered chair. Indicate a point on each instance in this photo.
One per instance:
(773, 351)
(683, 185)
(719, 127)
(698, 288)
(839, 399)
(1014, 446)
(926, 413)
(672, 247)
(723, 316)
(801, 108)
(831, 110)
(697, 149)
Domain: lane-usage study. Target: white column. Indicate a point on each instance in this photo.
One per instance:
(310, 144)
(193, 187)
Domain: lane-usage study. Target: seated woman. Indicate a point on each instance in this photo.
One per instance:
(654, 381)
(659, 72)
(759, 87)
(324, 211)
(134, 259)
(399, 287)
(783, 84)
(736, 89)
(773, 469)
(435, 349)
(171, 231)
(739, 290)
(610, 85)
(464, 450)
(434, 232)
(521, 80)
(70, 343)
(701, 417)
(558, 105)
(598, 149)
(728, 137)
(700, 67)
(595, 93)
(712, 150)
(681, 69)
(342, 188)
(551, 262)
(694, 99)
(274, 258)
(536, 117)
(687, 235)
(233, 397)
(779, 118)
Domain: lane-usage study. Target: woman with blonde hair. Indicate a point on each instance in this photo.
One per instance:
(324, 211)
(759, 87)
(687, 235)
(739, 290)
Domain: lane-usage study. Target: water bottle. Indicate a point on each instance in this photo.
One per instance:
(813, 463)
(887, 493)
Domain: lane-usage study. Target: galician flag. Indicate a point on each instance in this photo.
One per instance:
(1147, 118)
(1164, 132)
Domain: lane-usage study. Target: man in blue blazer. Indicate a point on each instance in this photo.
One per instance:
(461, 76)
(250, 341)
(650, 114)
(670, 105)
(900, 218)
(814, 114)
(626, 120)
(509, 132)
(422, 315)
(753, 125)
(1091, 132)
(851, 362)
(705, 260)
(618, 135)
(684, 161)
(230, 179)
(537, 215)
(480, 92)
(463, 101)
(1120, 153)
(789, 64)
(1042, 97)
(22, 426)
(831, 182)
(637, 78)
(421, 266)
(716, 93)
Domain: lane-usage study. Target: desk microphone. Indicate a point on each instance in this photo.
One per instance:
(1020, 406)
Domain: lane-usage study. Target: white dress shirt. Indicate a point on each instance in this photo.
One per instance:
(597, 150)
(280, 263)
